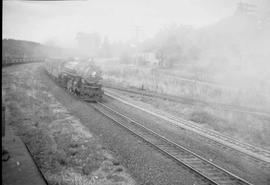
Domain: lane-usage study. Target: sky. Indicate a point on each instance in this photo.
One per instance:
(58, 22)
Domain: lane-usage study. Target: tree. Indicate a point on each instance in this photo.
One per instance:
(169, 52)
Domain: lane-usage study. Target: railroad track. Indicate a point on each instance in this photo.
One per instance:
(223, 106)
(259, 154)
(211, 173)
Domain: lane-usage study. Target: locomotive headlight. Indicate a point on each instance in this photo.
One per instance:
(94, 74)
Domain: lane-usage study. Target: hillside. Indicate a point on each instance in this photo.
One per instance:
(21, 48)
(235, 51)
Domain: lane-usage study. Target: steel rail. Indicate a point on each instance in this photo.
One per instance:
(247, 149)
(174, 98)
(224, 137)
(203, 167)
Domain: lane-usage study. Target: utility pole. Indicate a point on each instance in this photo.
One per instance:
(138, 30)
(137, 35)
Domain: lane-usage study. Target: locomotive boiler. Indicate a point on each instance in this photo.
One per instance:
(81, 78)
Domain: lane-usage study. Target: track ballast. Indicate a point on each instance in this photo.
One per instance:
(260, 155)
(211, 173)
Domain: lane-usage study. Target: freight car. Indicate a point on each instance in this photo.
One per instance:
(6, 61)
(81, 78)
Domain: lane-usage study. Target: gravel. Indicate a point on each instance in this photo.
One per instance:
(226, 158)
(64, 149)
(146, 165)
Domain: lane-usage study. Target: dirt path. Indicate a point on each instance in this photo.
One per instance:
(20, 167)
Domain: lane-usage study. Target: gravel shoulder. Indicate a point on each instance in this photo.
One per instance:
(66, 150)
(144, 163)
(73, 144)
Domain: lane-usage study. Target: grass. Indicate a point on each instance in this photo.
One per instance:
(64, 149)
(150, 80)
(251, 129)
(55, 146)
(248, 128)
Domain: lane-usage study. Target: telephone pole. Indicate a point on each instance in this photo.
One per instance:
(137, 33)
(137, 39)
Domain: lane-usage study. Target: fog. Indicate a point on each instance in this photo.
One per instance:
(42, 21)
(215, 41)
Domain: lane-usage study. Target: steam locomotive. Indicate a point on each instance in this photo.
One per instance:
(81, 78)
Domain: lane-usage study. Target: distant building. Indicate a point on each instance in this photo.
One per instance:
(146, 58)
